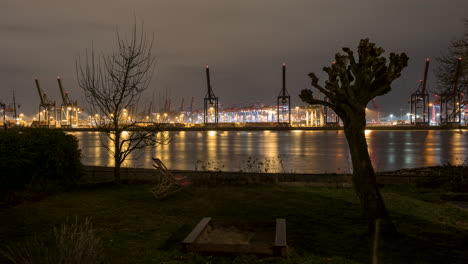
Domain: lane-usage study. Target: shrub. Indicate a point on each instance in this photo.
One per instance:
(448, 177)
(34, 157)
(78, 243)
(75, 243)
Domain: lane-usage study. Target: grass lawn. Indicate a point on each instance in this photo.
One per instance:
(323, 224)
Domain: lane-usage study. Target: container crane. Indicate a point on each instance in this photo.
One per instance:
(211, 103)
(3, 106)
(46, 107)
(452, 101)
(191, 104)
(191, 109)
(182, 105)
(419, 102)
(15, 114)
(181, 111)
(283, 103)
(69, 109)
(376, 108)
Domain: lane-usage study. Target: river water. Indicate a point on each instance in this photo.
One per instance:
(288, 151)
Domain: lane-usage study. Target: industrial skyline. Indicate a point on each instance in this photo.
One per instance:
(244, 42)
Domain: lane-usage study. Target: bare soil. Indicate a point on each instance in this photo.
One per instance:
(225, 235)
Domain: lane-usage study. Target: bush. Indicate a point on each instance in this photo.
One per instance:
(448, 178)
(36, 158)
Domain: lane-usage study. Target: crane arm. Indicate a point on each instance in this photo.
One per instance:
(425, 77)
(39, 91)
(64, 96)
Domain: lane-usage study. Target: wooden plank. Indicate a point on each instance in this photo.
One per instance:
(280, 236)
(197, 230)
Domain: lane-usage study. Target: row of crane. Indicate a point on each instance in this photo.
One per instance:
(67, 113)
(450, 103)
(211, 102)
(12, 108)
(167, 108)
(50, 115)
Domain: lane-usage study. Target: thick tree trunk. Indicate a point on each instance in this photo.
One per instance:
(364, 179)
(117, 171)
(117, 158)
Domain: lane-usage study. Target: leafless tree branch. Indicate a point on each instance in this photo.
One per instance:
(113, 84)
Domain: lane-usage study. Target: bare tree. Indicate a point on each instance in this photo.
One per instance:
(113, 84)
(351, 85)
(447, 64)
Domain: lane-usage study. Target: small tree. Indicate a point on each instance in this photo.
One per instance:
(350, 87)
(447, 64)
(113, 85)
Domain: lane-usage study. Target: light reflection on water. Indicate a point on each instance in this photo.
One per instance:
(299, 151)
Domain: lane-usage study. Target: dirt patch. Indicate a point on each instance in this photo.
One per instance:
(225, 235)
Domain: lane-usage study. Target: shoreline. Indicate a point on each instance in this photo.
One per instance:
(257, 127)
(97, 174)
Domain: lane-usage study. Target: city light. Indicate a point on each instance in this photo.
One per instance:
(262, 116)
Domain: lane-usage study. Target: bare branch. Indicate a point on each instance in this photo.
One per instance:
(306, 95)
(315, 84)
(113, 84)
(447, 64)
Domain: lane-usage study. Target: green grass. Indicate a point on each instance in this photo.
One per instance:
(323, 224)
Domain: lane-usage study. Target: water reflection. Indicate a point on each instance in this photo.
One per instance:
(457, 147)
(95, 144)
(431, 148)
(299, 151)
(271, 144)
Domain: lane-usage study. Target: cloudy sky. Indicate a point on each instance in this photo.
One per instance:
(245, 43)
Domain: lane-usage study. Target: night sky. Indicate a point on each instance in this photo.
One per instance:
(245, 43)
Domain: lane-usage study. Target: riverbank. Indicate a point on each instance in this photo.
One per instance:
(95, 174)
(203, 177)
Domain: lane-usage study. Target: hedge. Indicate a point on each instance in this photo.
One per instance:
(37, 158)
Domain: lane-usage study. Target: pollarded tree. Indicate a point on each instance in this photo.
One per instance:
(351, 85)
(113, 84)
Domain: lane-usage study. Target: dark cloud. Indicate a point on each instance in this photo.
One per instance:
(244, 42)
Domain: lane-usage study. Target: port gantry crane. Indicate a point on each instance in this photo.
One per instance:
(12, 109)
(329, 116)
(452, 101)
(46, 107)
(211, 103)
(3, 107)
(69, 108)
(181, 111)
(376, 107)
(191, 109)
(419, 102)
(182, 105)
(283, 103)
